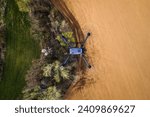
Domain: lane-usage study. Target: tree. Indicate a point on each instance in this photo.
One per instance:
(47, 70)
(56, 71)
(51, 93)
(31, 94)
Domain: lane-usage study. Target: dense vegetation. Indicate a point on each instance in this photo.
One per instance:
(20, 51)
(2, 36)
(47, 79)
(30, 23)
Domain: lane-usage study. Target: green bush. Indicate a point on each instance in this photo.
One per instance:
(56, 71)
(51, 93)
(68, 36)
(23, 5)
(31, 94)
(47, 70)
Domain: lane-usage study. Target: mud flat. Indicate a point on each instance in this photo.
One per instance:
(119, 48)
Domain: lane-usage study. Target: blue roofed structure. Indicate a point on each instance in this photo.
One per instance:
(75, 51)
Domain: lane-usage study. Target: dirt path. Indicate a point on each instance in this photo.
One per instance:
(119, 49)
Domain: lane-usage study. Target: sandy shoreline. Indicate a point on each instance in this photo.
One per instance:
(118, 49)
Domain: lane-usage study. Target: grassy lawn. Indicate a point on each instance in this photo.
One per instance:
(21, 50)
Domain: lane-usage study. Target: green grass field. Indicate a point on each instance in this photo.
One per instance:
(21, 50)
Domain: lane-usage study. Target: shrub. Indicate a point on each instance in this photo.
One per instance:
(68, 36)
(47, 70)
(23, 5)
(56, 71)
(31, 94)
(51, 93)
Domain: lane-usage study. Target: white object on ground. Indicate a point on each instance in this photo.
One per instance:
(43, 50)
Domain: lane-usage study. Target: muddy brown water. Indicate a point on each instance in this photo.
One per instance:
(119, 48)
